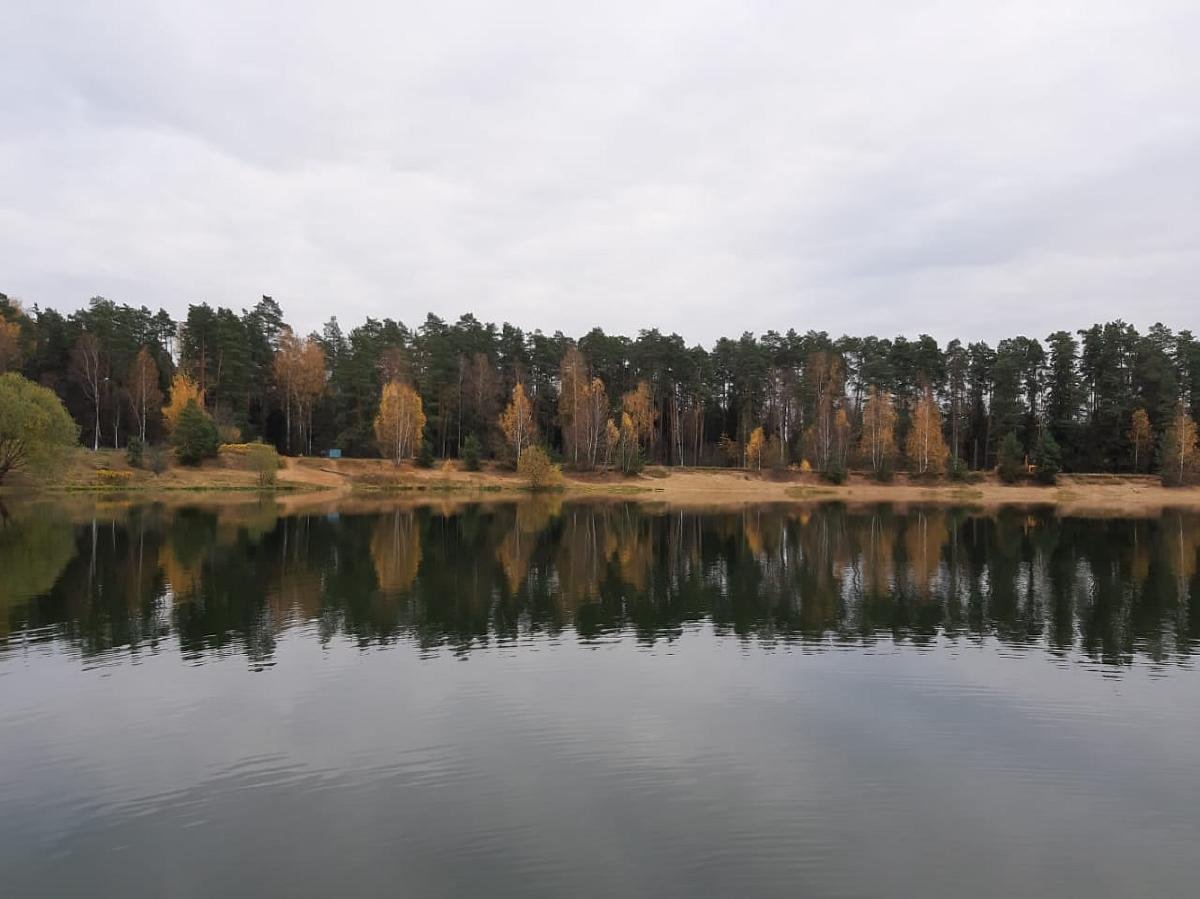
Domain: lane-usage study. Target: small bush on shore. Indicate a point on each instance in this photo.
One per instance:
(156, 459)
(195, 436)
(471, 453)
(1010, 466)
(263, 460)
(134, 452)
(535, 466)
(108, 477)
(1047, 459)
(425, 455)
(834, 474)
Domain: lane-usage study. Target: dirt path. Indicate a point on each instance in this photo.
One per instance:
(303, 473)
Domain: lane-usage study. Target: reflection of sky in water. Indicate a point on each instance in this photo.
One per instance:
(671, 768)
(729, 704)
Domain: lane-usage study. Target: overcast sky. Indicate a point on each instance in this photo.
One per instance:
(958, 168)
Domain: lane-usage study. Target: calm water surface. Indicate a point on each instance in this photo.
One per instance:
(549, 699)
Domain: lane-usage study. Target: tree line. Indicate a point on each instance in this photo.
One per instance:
(1104, 398)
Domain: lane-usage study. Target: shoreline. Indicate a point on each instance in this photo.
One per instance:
(306, 481)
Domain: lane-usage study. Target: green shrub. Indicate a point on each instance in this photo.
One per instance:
(425, 455)
(834, 474)
(1047, 459)
(157, 459)
(195, 436)
(470, 453)
(264, 460)
(134, 452)
(1011, 459)
(35, 428)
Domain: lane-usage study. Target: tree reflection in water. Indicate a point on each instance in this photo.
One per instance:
(125, 578)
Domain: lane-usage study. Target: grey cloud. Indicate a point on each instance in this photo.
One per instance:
(968, 170)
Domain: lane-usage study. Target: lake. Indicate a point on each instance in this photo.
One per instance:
(550, 698)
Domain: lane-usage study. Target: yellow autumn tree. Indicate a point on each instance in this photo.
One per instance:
(841, 438)
(878, 442)
(754, 449)
(594, 414)
(10, 345)
(628, 455)
(1180, 449)
(826, 374)
(573, 386)
(399, 422)
(300, 375)
(927, 451)
(612, 439)
(309, 384)
(516, 421)
(287, 373)
(1141, 438)
(183, 391)
(638, 404)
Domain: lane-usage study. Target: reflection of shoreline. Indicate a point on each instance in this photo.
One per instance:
(83, 506)
(464, 574)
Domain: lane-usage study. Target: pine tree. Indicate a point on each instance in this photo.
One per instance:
(1010, 458)
(1047, 458)
(470, 453)
(195, 435)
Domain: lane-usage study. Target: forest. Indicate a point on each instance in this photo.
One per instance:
(1106, 397)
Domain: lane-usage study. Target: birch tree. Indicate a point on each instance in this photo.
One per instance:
(144, 395)
(399, 422)
(1181, 452)
(878, 441)
(88, 369)
(1141, 437)
(926, 446)
(516, 421)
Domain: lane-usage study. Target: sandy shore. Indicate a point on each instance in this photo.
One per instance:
(315, 482)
